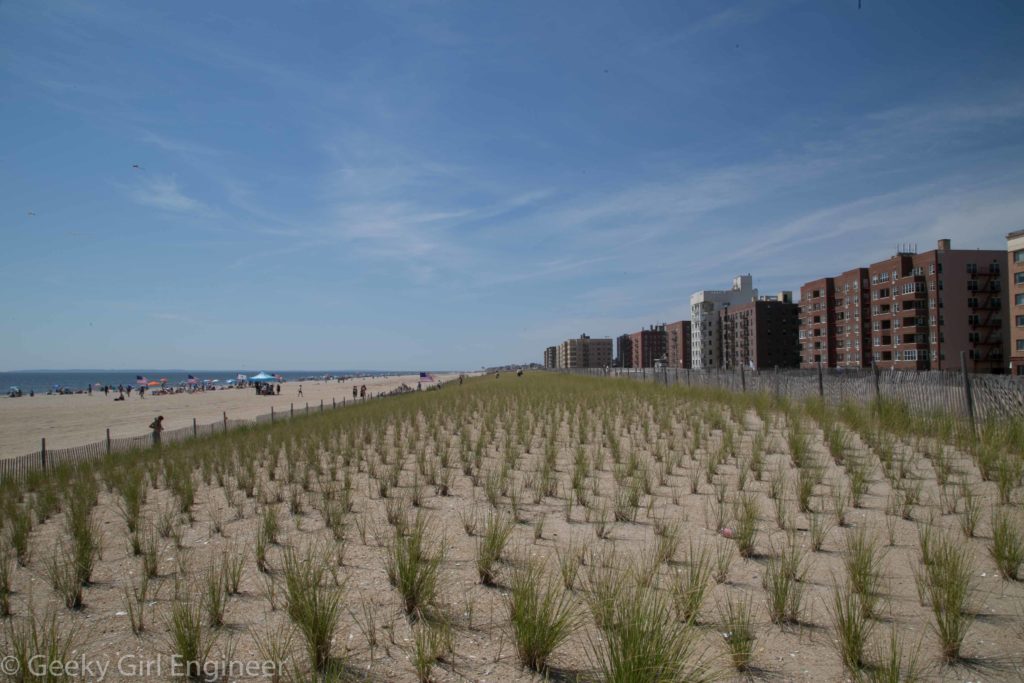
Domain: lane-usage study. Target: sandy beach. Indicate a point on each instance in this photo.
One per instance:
(80, 419)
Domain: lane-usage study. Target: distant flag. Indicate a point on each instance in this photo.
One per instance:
(192, 379)
(140, 380)
(426, 377)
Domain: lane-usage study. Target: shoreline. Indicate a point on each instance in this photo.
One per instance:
(71, 420)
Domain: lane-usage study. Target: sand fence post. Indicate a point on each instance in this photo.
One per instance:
(225, 420)
(321, 405)
(195, 428)
(821, 383)
(271, 414)
(967, 389)
(292, 410)
(108, 440)
(334, 403)
(307, 407)
(42, 452)
(874, 372)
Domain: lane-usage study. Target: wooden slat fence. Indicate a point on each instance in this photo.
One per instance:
(994, 396)
(20, 466)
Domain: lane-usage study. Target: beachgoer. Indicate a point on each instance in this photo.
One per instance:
(362, 391)
(278, 389)
(355, 392)
(419, 386)
(157, 426)
(300, 390)
(129, 390)
(460, 379)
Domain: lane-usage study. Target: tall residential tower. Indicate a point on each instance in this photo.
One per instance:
(706, 324)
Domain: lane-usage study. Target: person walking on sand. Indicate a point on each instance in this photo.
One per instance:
(355, 392)
(300, 390)
(157, 426)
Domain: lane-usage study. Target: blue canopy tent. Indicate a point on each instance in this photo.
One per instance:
(263, 377)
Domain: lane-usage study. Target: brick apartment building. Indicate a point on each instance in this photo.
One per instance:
(677, 344)
(927, 308)
(1015, 305)
(551, 357)
(584, 353)
(624, 351)
(648, 346)
(835, 321)
(760, 334)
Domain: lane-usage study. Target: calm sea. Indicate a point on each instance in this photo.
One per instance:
(45, 380)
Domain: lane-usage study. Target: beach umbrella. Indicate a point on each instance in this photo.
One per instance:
(154, 383)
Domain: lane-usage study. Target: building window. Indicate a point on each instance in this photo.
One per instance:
(1018, 256)
(972, 268)
(1020, 344)
(1018, 278)
(1020, 321)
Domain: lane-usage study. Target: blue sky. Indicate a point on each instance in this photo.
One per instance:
(450, 185)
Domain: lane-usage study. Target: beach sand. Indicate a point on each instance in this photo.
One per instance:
(80, 419)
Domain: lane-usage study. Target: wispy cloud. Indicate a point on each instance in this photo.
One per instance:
(162, 192)
(179, 146)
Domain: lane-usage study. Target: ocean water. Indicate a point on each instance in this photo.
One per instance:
(42, 381)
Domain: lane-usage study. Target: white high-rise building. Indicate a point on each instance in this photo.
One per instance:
(705, 324)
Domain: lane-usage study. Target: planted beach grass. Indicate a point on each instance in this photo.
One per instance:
(572, 527)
